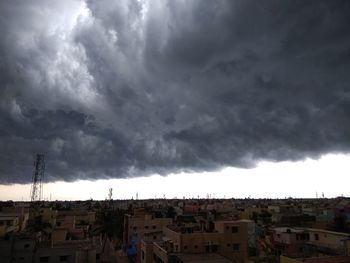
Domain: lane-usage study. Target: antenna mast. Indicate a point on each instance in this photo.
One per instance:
(36, 191)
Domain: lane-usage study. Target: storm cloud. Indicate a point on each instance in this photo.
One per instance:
(112, 89)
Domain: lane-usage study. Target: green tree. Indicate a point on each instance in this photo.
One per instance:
(38, 225)
(170, 213)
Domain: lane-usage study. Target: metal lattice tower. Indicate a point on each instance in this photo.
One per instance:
(36, 190)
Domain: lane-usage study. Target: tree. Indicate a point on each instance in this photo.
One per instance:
(170, 213)
(38, 225)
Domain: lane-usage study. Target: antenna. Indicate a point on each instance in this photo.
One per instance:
(36, 191)
(110, 193)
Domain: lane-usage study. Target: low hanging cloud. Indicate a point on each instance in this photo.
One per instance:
(112, 89)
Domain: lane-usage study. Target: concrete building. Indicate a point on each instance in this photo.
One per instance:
(328, 242)
(139, 224)
(9, 223)
(21, 211)
(229, 242)
(289, 240)
(327, 259)
(18, 248)
(73, 251)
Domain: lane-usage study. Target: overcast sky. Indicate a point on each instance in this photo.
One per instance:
(120, 89)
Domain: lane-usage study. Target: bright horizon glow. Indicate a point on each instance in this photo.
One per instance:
(302, 179)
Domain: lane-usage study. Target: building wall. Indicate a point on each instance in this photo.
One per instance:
(89, 217)
(52, 255)
(159, 254)
(22, 212)
(142, 225)
(146, 252)
(230, 240)
(2, 231)
(23, 250)
(328, 238)
(284, 259)
(9, 224)
(69, 254)
(59, 234)
(284, 238)
(175, 237)
(234, 239)
(137, 226)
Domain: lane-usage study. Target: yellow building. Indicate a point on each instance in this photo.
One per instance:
(136, 226)
(228, 241)
(323, 259)
(59, 234)
(9, 223)
(324, 239)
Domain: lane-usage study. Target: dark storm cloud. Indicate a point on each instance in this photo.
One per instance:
(132, 88)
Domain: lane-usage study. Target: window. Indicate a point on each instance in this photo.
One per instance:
(44, 259)
(146, 227)
(228, 244)
(134, 228)
(64, 258)
(185, 247)
(235, 247)
(154, 237)
(26, 246)
(316, 236)
(195, 246)
(154, 227)
(234, 229)
(98, 256)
